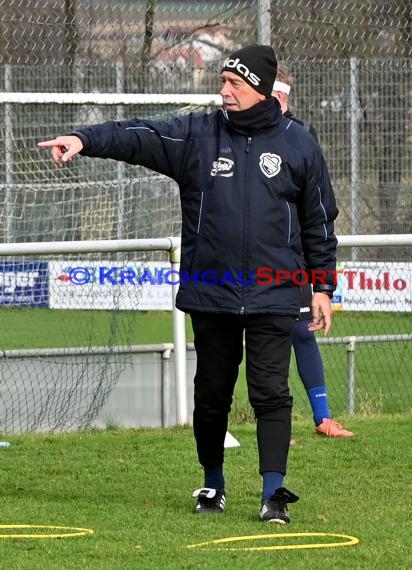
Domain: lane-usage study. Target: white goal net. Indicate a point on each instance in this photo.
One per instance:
(88, 199)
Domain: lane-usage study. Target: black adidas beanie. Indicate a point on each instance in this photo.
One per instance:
(256, 64)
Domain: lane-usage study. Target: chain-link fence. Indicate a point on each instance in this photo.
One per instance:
(351, 62)
(146, 32)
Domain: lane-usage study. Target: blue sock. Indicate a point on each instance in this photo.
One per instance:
(318, 399)
(214, 478)
(272, 480)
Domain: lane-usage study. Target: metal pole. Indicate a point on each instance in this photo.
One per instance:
(179, 335)
(374, 240)
(166, 244)
(8, 152)
(121, 167)
(89, 246)
(351, 375)
(165, 387)
(263, 22)
(355, 114)
(24, 97)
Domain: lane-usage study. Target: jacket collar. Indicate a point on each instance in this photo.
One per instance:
(255, 120)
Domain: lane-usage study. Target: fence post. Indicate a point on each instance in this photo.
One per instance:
(8, 152)
(351, 375)
(355, 115)
(121, 166)
(165, 387)
(263, 22)
(179, 335)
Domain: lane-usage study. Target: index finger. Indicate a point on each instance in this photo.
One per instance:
(52, 142)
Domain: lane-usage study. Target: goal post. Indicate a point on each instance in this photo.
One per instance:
(148, 99)
(88, 199)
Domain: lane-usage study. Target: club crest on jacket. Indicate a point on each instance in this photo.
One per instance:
(270, 164)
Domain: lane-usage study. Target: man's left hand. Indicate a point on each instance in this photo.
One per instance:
(321, 313)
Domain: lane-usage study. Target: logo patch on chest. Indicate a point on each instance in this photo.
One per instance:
(270, 164)
(222, 167)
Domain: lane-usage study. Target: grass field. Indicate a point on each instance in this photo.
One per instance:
(39, 328)
(133, 488)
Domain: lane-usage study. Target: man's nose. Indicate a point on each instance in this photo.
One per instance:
(226, 91)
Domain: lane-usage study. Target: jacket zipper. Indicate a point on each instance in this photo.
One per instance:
(247, 150)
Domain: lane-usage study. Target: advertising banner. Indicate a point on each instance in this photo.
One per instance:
(24, 284)
(103, 285)
(337, 300)
(362, 286)
(376, 286)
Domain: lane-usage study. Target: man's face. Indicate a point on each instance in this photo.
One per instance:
(237, 94)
